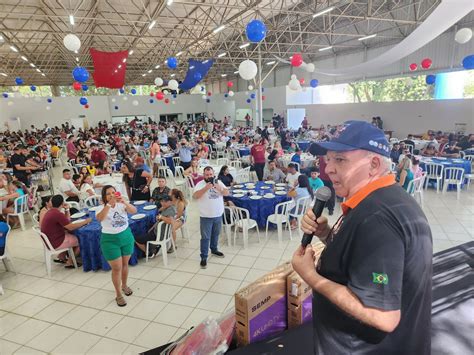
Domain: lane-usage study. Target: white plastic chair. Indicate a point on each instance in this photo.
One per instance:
(222, 161)
(300, 209)
(92, 201)
(280, 217)
(415, 188)
(35, 219)
(58, 157)
(20, 208)
(237, 164)
(228, 224)
(434, 171)
(166, 172)
(190, 186)
(243, 220)
(162, 241)
(74, 204)
(453, 176)
(179, 178)
(470, 176)
(49, 251)
(176, 162)
(220, 151)
(6, 258)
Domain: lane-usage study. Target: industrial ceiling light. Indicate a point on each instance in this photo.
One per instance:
(329, 9)
(24, 58)
(169, 2)
(152, 24)
(178, 54)
(3, 74)
(223, 75)
(13, 48)
(32, 65)
(222, 55)
(325, 48)
(130, 52)
(271, 63)
(156, 67)
(149, 71)
(245, 45)
(71, 20)
(367, 37)
(218, 29)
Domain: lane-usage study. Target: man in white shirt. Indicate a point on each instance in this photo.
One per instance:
(67, 187)
(292, 177)
(209, 195)
(163, 137)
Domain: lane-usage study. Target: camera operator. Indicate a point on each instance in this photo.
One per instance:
(209, 194)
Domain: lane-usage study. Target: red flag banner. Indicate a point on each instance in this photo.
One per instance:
(109, 68)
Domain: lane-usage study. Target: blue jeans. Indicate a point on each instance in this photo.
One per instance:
(210, 229)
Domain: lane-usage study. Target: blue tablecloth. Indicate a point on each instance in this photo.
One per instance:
(304, 145)
(244, 151)
(259, 209)
(469, 151)
(170, 162)
(449, 163)
(89, 239)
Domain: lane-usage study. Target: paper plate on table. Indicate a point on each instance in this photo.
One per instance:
(270, 182)
(138, 216)
(78, 221)
(78, 215)
(279, 188)
(138, 203)
(238, 186)
(281, 184)
(255, 197)
(238, 195)
(269, 195)
(265, 187)
(149, 207)
(441, 158)
(238, 191)
(280, 193)
(253, 192)
(95, 208)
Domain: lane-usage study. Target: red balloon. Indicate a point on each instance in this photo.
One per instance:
(426, 63)
(86, 106)
(230, 84)
(413, 66)
(160, 95)
(302, 81)
(296, 60)
(209, 93)
(167, 101)
(152, 94)
(77, 86)
(263, 98)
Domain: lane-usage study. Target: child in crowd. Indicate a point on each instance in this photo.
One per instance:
(314, 181)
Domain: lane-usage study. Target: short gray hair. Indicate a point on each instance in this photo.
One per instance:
(386, 161)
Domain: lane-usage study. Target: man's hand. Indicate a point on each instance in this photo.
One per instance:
(209, 186)
(310, 225)
(303, 262)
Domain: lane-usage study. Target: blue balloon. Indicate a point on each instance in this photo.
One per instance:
(85, 87)
(468, 62)
(314, 83)
(430, 79)
(263, 89)
(208, 100)
(116, 107)
(151, 101)
(249, 101)
(19, 81)
(80, 74)
(83, 101)
(226, 95)
(33, 88)
(202, 88)
(122, 91)
(175, 96)
(256, 31)
(252, 96)
(5, 95)
(197, 76)
(172, 62)
(50, 100)
(133, 91)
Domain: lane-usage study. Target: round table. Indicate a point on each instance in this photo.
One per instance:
(262, 208)
(89, 238)
(304, 145)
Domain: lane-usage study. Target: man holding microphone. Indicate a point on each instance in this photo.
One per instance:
(210, 194)
(372, 283)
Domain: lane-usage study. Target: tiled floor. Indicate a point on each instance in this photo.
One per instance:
(75, 312)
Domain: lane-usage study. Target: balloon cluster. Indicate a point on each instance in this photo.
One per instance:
(294, 83)
(425, 64)
(297, 61)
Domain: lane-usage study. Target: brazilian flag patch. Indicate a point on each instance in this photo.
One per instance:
(379, 279)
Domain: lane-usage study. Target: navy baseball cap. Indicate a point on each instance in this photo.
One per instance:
(354, 135)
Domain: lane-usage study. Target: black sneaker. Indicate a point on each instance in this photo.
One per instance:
(217, 253)
(203, 264)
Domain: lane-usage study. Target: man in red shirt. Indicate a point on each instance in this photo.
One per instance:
(56, 226)
(97, 154)
(71, 148)
(257, 157)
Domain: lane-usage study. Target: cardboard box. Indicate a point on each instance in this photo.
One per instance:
(300, 297)
(261, 307)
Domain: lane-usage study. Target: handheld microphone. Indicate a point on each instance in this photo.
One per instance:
(323, 194)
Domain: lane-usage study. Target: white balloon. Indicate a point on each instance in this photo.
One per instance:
(464, 35)
(173, 84)
(310, 68)
(113, 99)
(231, 93)
(294, 85)
(48, 108)
(158, 81)
(250, 87)
(204, 97)
(72, 42)
(246, 93)
(248, 69)
(135, 103)
(10, 103)
(125, 98)
(293, 77)
(173, 102)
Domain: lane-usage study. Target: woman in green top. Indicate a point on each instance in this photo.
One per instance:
(406, 174)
